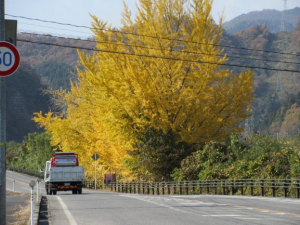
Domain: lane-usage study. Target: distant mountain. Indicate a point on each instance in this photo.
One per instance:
(271, 18)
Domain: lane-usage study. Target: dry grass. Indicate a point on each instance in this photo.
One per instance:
(21, 213)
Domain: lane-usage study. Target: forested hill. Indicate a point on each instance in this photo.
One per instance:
(271, 18)
(54, 59)
(25, 96)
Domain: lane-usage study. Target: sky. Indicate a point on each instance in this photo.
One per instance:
(78, 12)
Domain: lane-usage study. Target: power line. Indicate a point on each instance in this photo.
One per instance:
(56, 28)
(149, 36)
(158, 57)
(173, 50)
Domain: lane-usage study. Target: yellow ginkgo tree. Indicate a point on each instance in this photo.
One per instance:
(163, 70)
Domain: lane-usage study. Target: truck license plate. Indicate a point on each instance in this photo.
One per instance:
(67, 184)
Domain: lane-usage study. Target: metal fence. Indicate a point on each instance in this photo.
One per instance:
(91, 185)
(251, 187)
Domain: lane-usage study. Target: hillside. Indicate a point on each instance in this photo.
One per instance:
(270, 18)
(24, 97)
(55, 65)
(269, 97)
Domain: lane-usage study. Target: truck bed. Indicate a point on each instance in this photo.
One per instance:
(63, 174)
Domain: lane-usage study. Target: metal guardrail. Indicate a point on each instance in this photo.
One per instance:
(25, 171)
(251, 187)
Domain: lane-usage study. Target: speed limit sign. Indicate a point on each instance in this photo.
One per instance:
(9, 59)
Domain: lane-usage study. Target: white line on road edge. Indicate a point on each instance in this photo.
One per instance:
(67, 212)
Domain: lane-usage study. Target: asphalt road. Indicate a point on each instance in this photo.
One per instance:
(21, 182)
(108, 208)
(95, 207)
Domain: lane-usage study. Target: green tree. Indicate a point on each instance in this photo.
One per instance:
(157, 154)
(32, 153)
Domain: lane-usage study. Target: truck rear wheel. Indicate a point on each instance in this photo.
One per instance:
(79, 191)
(74, 192)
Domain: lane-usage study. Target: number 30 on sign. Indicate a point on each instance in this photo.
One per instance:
(9, 59)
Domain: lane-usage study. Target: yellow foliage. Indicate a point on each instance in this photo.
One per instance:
(162, 71)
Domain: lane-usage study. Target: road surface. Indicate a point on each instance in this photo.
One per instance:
(94, 207)
(109, 208)
(21, 182)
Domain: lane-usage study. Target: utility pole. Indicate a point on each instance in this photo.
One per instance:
(2, 126)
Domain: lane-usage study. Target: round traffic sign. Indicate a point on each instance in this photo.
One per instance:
(9, 59)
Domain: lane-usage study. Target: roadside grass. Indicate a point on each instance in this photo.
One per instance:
(21, 213)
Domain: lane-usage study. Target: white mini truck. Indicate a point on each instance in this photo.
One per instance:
(62, 173)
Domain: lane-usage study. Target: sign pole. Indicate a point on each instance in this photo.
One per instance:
(95, 172)
(31, 185)
(95, 157)
(2, 126)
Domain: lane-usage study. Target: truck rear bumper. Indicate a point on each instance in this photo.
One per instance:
(61, 186)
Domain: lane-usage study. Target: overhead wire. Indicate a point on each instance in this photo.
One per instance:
(173, 50)
(56, 28)
(157, 57)
(154, 37)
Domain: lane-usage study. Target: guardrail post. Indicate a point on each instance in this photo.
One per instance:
(194, 187)
(297, 189)
(169, 188)
(242, 187)
(163, 188)
(200, 187)
(180, 188)
(216, 189)
(232, 187)
(251, 188)
(187, 188)
(143, 188)
(285, 184)
(148, 188)
(174, 189)
(273, 188)
(223, 187)
(153, 188)
(262, 187)
(157, 188)
(207, 187)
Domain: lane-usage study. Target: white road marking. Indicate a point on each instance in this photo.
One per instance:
(196, 203)
(67, 212)
(223, 215)
(251, 218)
